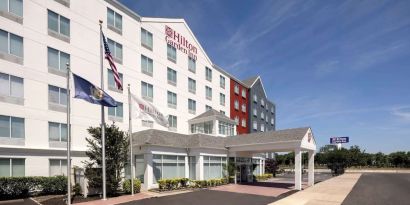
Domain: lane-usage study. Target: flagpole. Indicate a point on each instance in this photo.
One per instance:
(68, 137)
(102, 117)
(130, 136)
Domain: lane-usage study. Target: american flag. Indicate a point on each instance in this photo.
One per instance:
(110, 59)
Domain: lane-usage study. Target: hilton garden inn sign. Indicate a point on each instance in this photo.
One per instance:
(179, 42)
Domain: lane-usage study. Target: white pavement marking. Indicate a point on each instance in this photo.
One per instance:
(329, 192)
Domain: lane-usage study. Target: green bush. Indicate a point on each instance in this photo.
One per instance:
(263, 177)
(184, 182)
(162, 184)
(77, 189)
(126, 186)
(20, 187)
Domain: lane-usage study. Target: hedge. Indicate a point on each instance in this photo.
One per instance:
(180, 183)
(126, 186)
(19, 187)
(263, 177)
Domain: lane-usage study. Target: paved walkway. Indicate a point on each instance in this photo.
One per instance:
(117, 200)
(260, 188)
(329, 192)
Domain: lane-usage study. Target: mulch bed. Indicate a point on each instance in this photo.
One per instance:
(60, 199)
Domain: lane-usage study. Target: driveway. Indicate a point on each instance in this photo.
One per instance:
(380, 189)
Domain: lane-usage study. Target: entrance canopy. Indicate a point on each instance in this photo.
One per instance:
(273, 141)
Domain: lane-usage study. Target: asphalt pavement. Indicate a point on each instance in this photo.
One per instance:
(380, 189)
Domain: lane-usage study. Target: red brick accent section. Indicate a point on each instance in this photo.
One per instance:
(238, 112)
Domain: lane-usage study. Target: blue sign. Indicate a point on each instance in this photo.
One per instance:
(337, 140)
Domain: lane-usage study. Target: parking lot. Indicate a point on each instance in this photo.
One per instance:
(380, 189)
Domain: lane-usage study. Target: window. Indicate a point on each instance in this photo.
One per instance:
(203, 127)
(147, 65)
(12, 167)
(168, 167)
(171, 53)
(262, 115)
(58, 24)
(222, 81)
(192, 167)
(191, 106)
(208, 74)
(11, 86)
(267, 107)
(115, 49)
(262, 102)
(116, 112)
(172, 100)
(226, 128)
(262, 127)
(221, 99)
(207, 107)
(172, 76)
(57, 60)
(57, 95)
(147, 91)
(11, 44)
(172, 121)
(111, 81)
(255, 112)
(236, 104)
(11, 127)
(146, 39)
(12, 9)
(58, 167)
(237, 120)
(114, 21)
(213, 167)
(243, 93)
(191, 85)
(57, 132)
(271, 110)
(191, 64)
(272, 121)
(236, 89)
(255, 98)
(255, 125)
(267, 119)
(208, 92)
(243, 123)
(243, 107)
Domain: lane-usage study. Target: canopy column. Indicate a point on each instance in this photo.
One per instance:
(311, 167)
(298, 169)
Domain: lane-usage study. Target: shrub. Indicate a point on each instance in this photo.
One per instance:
(126, 186)
(20, 187)
(162, 184)
(263, 177)
(77, 189)
(184, 182)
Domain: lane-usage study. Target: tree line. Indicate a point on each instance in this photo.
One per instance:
(351, 157)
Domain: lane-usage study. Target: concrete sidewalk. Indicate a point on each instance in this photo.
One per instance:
(329, 192)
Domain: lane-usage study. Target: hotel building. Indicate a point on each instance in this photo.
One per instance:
(159, 58)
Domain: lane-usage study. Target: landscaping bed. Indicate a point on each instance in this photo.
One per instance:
(181, 184)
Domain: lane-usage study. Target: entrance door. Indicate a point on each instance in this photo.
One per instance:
(244, 173)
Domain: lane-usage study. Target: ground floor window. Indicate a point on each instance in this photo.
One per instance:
(257, 166)
(12, 167)
(58, 167)
(214, 167)
(192, 167)
(168, 166)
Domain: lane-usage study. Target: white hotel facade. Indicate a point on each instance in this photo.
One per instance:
(37, 39)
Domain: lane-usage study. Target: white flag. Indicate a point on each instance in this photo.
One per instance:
(146, 111)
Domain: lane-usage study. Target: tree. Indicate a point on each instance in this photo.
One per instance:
(398, 159)
(116, 153)
(271, 166)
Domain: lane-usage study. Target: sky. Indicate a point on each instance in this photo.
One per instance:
(340, 67)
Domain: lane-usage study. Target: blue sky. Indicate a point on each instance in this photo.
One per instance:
(341, 67)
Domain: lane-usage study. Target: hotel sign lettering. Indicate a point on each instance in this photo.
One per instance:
(179, 42)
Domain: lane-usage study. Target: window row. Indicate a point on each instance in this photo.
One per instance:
(243, 121)
(15, 167)
(236, 106)
(236, 90)
(263, 104)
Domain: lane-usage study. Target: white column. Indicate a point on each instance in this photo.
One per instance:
(200, 167)
(149, 174)
(186, 167)
(263, 166)
(298, 169)
(235, 171)
(311, 167)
